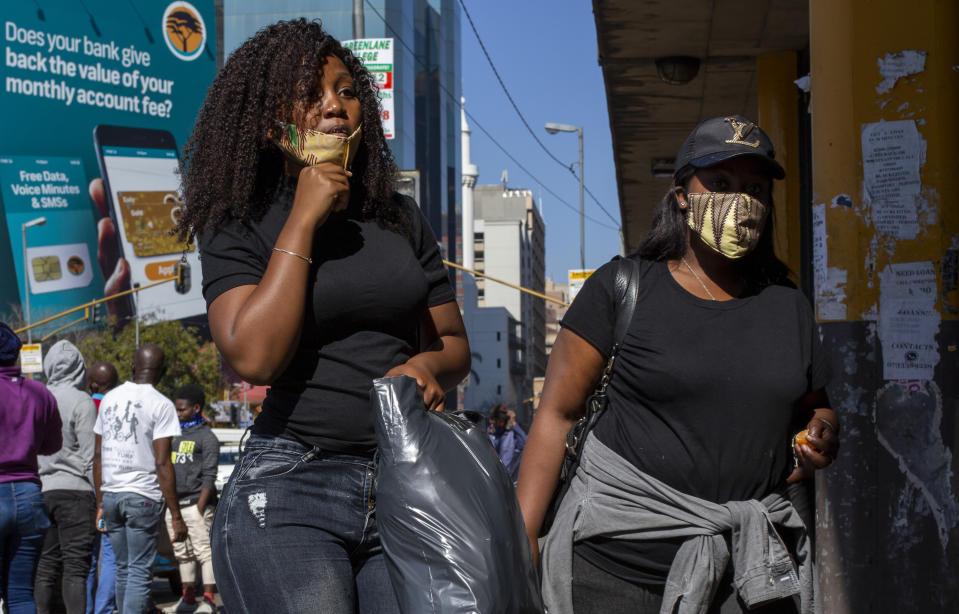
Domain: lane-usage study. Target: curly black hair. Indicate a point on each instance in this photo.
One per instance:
(231, 167)
(192, 394)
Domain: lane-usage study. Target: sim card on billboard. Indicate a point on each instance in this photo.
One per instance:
(46, 200)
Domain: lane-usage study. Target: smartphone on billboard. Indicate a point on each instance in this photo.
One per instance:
(139, 171)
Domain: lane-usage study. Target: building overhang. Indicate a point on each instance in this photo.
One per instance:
(649, 118)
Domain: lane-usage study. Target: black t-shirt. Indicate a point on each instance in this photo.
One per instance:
(369, 287)
(702, 396)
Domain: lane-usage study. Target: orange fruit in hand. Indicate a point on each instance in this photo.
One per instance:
(801, 437)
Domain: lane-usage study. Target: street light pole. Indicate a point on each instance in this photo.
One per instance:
(553, 129)
(359, 21)
(582, 210)
(39, 221)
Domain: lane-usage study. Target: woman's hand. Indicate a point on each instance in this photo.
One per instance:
(821, 446)
(433, 396)
(444, 357)
(321, 190)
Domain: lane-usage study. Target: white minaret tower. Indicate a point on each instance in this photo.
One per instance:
(470, 173)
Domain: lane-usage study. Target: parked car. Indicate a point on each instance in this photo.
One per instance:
(229, 455)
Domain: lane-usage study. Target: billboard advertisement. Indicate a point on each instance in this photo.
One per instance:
(98, 99)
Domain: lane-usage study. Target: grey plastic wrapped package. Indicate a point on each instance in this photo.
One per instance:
(446, 511)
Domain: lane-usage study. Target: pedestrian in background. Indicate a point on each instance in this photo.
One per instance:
(507, 437)
(720, 367)
(68, 491)
(318, 277)
(133, 474)
(29, 425)
(196, 455)
(102, 377)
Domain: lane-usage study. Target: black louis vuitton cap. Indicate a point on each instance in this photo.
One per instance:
(721, 138)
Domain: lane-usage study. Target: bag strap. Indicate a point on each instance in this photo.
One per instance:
(627, 291)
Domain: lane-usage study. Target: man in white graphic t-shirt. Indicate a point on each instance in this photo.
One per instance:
(133, 475)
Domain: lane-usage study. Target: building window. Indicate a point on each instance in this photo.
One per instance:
(497, 335)
(499, 389)
(498, 363)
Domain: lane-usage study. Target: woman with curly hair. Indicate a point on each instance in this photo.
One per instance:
(318, 278)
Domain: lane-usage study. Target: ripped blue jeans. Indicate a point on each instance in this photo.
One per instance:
(295, 531)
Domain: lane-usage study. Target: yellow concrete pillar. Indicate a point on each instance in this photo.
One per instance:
(779, 117)
(848, 38)
(885, 238)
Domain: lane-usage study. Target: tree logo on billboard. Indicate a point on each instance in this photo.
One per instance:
(184, 30)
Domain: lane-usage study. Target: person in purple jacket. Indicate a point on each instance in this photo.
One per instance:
(507, 437)
(29, 425)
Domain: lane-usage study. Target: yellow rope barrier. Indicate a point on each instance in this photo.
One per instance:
(169, 279)
(506, 283)
(93, 303)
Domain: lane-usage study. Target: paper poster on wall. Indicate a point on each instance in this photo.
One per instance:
(892, 154)
(377, 55)
(908, 321)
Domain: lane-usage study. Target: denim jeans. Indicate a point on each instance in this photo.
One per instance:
(102, 581)
(67, 548)
(296, 532)
(23, 521)
(132, 522)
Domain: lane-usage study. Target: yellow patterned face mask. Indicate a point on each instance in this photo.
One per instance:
(310, 147)
(730, 223)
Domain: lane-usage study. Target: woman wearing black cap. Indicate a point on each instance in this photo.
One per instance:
(679, 500)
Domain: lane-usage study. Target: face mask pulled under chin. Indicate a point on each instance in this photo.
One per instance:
(729, 223)
(311, 147)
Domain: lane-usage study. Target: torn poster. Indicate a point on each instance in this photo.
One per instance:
(898, 65)
(830, 282)
(892, 154)
(908, 321)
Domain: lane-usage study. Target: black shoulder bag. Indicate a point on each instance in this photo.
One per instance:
(627, 288)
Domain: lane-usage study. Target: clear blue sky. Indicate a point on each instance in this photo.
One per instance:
(545, 51)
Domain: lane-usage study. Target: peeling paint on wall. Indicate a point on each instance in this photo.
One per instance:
(928, 206)
(830, 282)
(842, 200)
(898, 65)
(870, 262)
(908, 416)
(950, 277)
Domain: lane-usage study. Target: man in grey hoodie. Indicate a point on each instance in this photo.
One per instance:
(68, 493)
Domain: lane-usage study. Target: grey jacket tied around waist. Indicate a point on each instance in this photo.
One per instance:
(609, 497)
